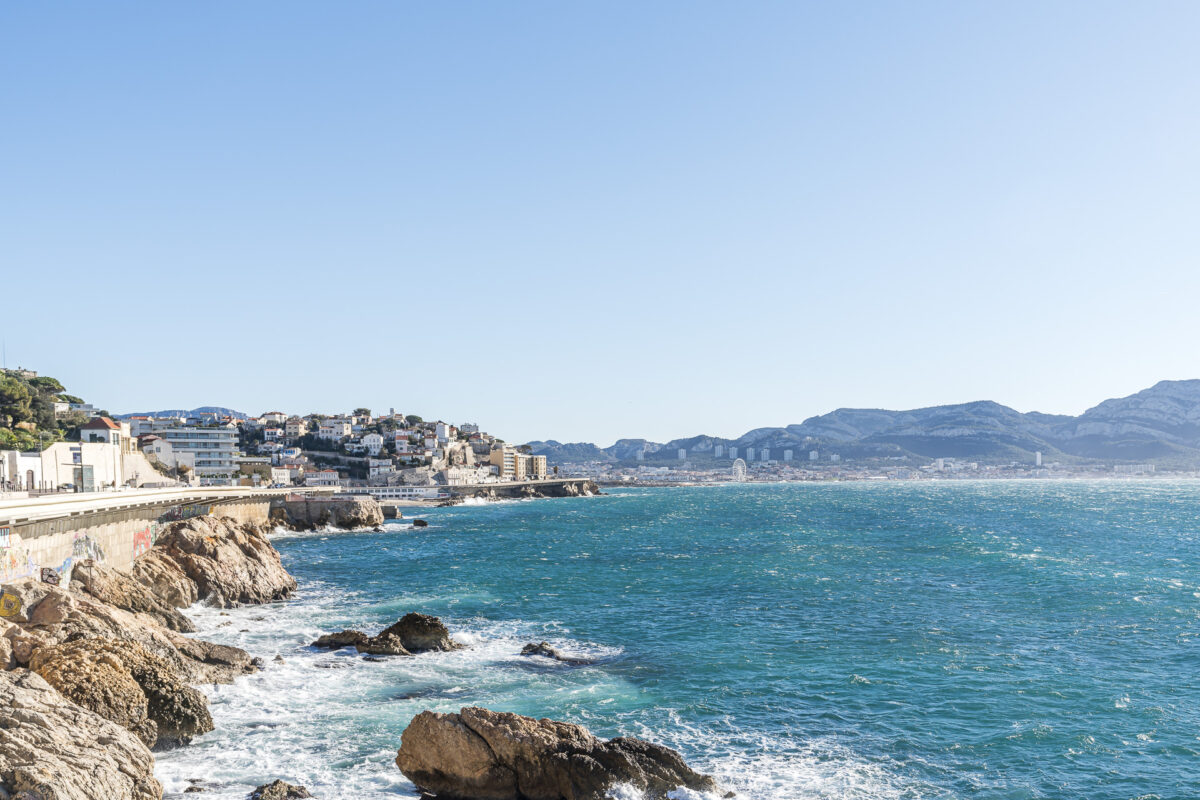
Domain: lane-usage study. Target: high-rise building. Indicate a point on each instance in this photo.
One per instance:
(718, 450)
(733, 452)
(765, 455)
(1038, 458)
(682, 454)
(787, 455)
(813, 455)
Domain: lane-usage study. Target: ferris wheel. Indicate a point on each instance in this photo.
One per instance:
(738, 470)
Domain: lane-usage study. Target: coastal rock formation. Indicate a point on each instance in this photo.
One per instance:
(120, 590)
(412, 633)
(52, 749)
(421, 633)
(479, 754)
(165, 579)
(544, 649)
(279, 790)
(346, 638)
(230, 563)
(127, 684)
(343, 512)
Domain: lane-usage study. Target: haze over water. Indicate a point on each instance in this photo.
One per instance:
(926, 640)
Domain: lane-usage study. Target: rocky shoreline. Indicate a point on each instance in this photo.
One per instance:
(99, 674)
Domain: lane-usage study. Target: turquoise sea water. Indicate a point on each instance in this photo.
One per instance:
(901, 640)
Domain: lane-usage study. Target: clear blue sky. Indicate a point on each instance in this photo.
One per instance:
(585, 221)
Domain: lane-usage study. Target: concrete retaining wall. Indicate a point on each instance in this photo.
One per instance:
(50, 549)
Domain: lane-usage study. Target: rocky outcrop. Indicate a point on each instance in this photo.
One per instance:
(479, 754)
(120, 590)
(53, 749)
(159, 573)
(344, 512)
(412, 633)
(278, 790)
(111, 672)
(346, 638)
(127, 684)
(421, 633)
(230, 563)
(546, 651)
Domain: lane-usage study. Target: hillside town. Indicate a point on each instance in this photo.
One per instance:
(72, 446)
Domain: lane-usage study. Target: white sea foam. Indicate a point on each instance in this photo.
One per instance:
(332, 720)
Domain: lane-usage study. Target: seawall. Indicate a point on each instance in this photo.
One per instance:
(44, 540)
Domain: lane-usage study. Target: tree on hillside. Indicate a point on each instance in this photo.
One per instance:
(15, 401)
(46, 386)
(362, 412)
(413, 419)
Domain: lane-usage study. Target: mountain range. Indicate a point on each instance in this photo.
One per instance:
(1159, 424)
(183, 412)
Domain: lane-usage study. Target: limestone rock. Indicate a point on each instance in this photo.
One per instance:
(420, 633)
(413, 633)
(346, 638)
(55, 750)
(343, 512)
(120, 590)
(278, 790)
(165, 579)
(479, 754)
(230, 563)
(385, 644)
(126, 684)
(544, 649)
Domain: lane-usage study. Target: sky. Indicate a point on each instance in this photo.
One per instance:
(587, 221)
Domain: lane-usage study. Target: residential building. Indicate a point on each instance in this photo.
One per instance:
(214, 448)
(373, 443)
(277, 417)
(281, 476)
(512, 465)
(103, 429)
(324, 477)
(335, 429)
(294, 428)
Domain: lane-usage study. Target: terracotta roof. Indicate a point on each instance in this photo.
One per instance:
(101, 423)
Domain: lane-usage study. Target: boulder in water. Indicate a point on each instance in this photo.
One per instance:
(479, 754)
(279, 790)
(544, 649)
(412, 633)
(346, 638)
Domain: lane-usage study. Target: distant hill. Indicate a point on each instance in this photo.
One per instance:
(1161, 423)
(183, 412)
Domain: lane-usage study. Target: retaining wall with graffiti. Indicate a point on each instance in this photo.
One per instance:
(48, 550)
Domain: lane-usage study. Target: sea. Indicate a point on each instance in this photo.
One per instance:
(993, 640)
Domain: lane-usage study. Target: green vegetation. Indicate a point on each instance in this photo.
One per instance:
(27, 417)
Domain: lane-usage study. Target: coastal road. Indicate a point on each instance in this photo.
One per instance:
(59, 506)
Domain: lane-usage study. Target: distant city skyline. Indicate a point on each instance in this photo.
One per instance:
(587, 223)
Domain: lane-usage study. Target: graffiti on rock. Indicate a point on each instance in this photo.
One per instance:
(10, 605)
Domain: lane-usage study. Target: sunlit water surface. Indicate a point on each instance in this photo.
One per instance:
(851, 641)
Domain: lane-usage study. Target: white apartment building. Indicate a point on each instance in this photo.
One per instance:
(213, 447)
(325, 477)
(373, 442)
(335, 429)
